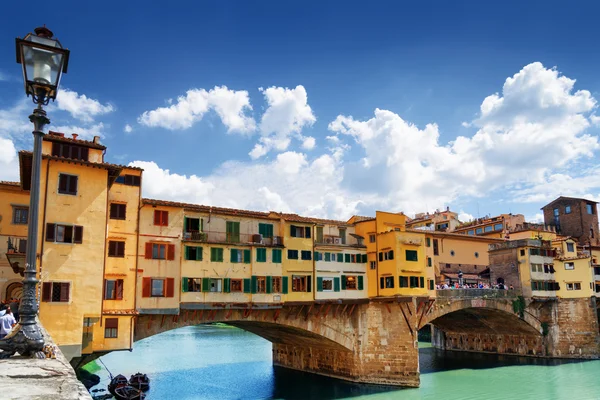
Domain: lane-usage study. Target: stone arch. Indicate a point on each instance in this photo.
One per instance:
(14, 289)
(497, 315)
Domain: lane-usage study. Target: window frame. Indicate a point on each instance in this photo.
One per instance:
(293, 254)
(116, 248)
(111, 332)
(414, 253)
(161, 218)
(163, 287)
(69, 182)
(49, 292)
(117, 207)
(18, 212)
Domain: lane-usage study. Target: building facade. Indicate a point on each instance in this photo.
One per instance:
(574, 217)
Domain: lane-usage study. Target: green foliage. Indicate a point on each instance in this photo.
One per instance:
(519, 306)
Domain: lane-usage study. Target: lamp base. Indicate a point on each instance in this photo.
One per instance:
(27, 340)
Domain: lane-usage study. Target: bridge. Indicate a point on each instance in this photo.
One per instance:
(375, 340)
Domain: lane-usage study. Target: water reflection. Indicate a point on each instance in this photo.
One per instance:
(211, 362)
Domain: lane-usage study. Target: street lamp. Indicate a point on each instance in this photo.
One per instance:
(44, 61)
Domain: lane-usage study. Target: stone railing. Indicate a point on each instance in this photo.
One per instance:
(476, 293)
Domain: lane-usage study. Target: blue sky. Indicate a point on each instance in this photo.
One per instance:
(296, 128)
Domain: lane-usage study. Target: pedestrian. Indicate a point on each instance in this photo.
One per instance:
(7, 322)
(14, 307)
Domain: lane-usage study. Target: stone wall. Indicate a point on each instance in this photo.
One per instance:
(577, 223)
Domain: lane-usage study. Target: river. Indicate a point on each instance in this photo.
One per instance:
(216, 362)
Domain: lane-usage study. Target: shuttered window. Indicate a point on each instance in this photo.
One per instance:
(193, 253)
(160, 251)
(403, 281)
(116, 248)
(64, 233)
(161, 218)
(216, 254)
(117, 210)
(232, 232)
(276, 253)
(261, 255)
(306, 255)
(56, 292)
(158, 287)
(113, 289)
(266, 230)
(67, 184)
(292, 254)
(111, 328)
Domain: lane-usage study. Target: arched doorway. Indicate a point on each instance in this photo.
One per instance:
(14, 291)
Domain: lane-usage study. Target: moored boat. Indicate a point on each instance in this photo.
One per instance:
(129, 393)
(117, 382)
(140, 381)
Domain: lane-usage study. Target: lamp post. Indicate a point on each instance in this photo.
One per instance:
(44, 61)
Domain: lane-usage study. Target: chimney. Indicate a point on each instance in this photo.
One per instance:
(56, 134)
(75, 136)
(447, 208)
(96, 139)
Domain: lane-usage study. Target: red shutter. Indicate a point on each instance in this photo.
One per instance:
(146, 287)
(104, 294)
(50, 231)
(156, 217)
(170, 287)
(46, 291)
(170, 252)
(78, 237)
(64, 291)
(111, 323)
(119, 289)
(148, 251)
(165, 218)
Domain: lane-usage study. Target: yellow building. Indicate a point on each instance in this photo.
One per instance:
(496, 227)
(574, 271)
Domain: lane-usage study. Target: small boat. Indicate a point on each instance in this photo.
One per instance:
(140, 381)
(117, 382)
(129, 393)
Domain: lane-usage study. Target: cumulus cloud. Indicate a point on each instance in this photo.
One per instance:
(309, 143)
(128, 128)
(286, 115)
(230, 105)
(85, 133)
(81, 107)
(465, 217)
(9, 164)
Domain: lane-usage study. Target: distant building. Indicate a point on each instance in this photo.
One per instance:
(574, 217)
(441, 221)
(495, 227)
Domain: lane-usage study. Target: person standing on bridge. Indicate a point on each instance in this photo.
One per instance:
(7, 322)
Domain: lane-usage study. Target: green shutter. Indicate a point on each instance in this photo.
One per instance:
(185, 224)
(431, 284)
(343, 282)
(205, 284)
(336, 284)
(220, 255)
(199, 253)
(347, 257)
(247, 284)
(201, 224)
(316, 256)
(213, 254)
(340, 257)
(184, 284)
(427, 242)
(276, 256)
(327, 256)
(247, 256)
(269, 284)
(254, 284)
(421, 282)
(429, 261)
(234, 255)
(227, 285)
(319, 284)
(360, 282)
(284, 284)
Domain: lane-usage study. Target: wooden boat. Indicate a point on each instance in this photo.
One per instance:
(117, 382)
(140, 381)
(129, 393)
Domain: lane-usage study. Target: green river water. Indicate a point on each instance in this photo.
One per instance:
(213, 362)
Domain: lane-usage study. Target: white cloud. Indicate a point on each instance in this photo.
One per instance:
(230, 105)
(287, 114)
(80, 106)
(465, 217)
(309, 143)
(536, 218)
(85, 133)
(128, 128)
(9, 164)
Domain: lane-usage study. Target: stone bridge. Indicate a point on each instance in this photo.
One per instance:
(375, 341)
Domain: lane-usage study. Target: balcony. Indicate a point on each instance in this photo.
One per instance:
(15, 254)
(231, 238)
(328, 240)
(16, 245)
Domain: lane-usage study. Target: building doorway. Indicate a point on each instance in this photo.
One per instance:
(14, 291)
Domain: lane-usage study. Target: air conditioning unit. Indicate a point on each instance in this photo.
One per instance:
(276, 240)
(329, 240)
(337, 240)
(257, 238)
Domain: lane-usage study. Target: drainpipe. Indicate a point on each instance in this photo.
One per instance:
(43, 238)
(104, 262)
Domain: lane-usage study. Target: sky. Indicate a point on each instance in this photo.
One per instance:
(326, 108)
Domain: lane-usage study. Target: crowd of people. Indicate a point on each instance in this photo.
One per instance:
(480, 285)
(9, 315)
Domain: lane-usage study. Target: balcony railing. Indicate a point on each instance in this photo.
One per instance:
(337, 241)
(16, 245)
(477, 293)
(229, 237)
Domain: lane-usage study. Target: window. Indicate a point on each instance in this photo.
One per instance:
(522, 251)
(403, 281)
(216, 285)
(556, 212)
(489, 228)
(116, 248)
(471, 232)
(534, 252)
(261, 255)
(325, 284)
(372, 238)
(589, 208)
(574, 286)
(130, 180)
(498, 227)
(191, 285)
(343, 235)
(117, 211)
(238, 256)
(70, 151)
(216, 254)
(569, 265)
(340, 257)
(300, 283)
(386, 255)
(67, 184)
(411, 255)
(431, 284)
(429, 262)
(266, 230)
(373, 264)
(476, 255)
(351, 282)
(64, 233)
(549, 268)
(232, 232)
(236, 285)
(160, 251)
(442, 227)
(567, 209)
(435, 247)
(193, 253)
(414, 281)
(570, 247)
(478, 231)
(158, 287)
(319, 238)
(318, 256)
(428, 242)
(276, 254)
(537, 268)
(161, 218)
(305, 255)
(327, 257)
(20, 215)
(55, 292)
(276, 284)
(113, 289)
(111, 328)
(292, 255)
(300, 231)
(193, 225)
(386, 282)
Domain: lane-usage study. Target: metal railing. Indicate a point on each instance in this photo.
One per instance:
(229, 237)
(16, 245)
(477, 293)
(337, 241)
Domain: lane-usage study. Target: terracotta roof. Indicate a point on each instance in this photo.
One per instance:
(457, 235)
(83, 162)
(120, 312)
(360, 218)
(9, 183)
(203, 208)
(55, 137)
(309, 220)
